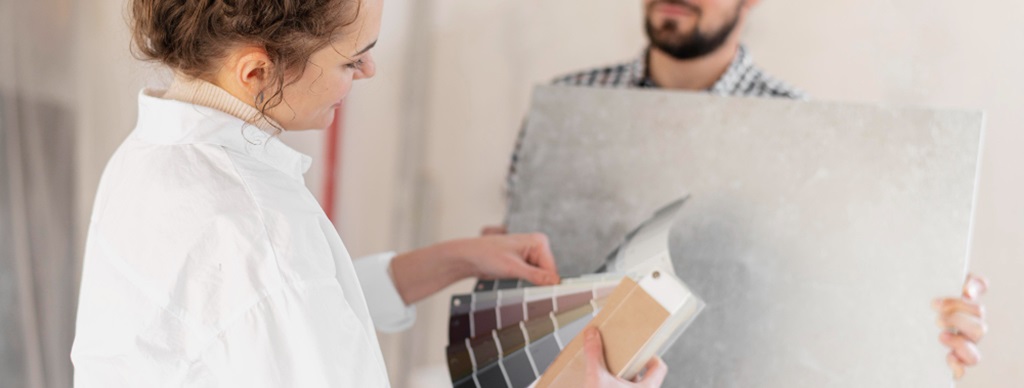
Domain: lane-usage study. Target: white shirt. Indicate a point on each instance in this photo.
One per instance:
(209, 263)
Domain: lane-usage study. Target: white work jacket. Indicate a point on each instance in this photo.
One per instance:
(210, 264)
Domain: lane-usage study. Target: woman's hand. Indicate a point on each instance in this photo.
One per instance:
(491, 230)
(597, 374)
(420, 273)
(512, 256)
(963, 322)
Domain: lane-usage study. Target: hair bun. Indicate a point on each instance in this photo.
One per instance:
(190, 35)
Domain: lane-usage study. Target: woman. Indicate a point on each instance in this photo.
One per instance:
(208, 262)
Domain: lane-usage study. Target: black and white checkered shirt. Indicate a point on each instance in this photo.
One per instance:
(741, 79)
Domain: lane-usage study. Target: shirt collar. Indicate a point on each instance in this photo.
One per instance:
(204, 118)
(740, 64)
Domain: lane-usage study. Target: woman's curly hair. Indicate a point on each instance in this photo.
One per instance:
(192, 36)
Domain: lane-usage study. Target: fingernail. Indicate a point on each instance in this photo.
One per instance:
(591, 333)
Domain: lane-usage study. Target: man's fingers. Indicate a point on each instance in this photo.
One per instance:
(955, 365)
(965, 351)
(655, 373)
(593, 350)
(975, 286)
(950, 306)
(969, 326)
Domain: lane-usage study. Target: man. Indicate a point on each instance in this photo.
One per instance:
(695, 45)
(691, 48)
(692, 45)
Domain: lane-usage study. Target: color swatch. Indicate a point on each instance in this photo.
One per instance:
(517, 355)
(478, 313)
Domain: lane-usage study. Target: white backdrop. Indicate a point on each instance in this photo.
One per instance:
(427, 141)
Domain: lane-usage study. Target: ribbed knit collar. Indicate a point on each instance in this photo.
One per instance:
(200, 92)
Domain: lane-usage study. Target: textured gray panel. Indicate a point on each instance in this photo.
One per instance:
(816, 232)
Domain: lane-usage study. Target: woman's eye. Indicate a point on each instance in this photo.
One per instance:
(355, 65)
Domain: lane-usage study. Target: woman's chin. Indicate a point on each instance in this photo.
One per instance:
(319, 123)
(326, 121)
(307, 128)
(310, 126)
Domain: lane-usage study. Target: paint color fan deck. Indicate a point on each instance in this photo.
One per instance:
(507, 333)
(507, 337)
(537, 344)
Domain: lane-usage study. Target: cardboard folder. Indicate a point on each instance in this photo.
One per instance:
(639, 320)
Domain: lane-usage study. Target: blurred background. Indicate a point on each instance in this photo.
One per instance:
(422, 150)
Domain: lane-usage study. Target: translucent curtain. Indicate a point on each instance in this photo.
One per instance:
(38, 276)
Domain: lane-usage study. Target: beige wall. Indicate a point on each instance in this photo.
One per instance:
(427, 141)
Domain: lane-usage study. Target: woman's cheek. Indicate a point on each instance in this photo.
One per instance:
(345, 88)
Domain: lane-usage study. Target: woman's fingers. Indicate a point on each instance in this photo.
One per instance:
(540, 252)
(964, 350)
(655, 373)
(521, 256)
(593, 350)
(535, 275)
(536, 263)
(596, 373)
(491, 230)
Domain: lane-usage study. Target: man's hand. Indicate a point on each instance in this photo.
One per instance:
(597, 374)
(963, 322)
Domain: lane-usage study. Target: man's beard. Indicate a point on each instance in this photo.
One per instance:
(691, 44)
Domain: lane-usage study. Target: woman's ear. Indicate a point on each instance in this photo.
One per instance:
(252, 70)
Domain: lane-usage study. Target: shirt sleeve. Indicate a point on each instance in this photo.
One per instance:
(389, 313)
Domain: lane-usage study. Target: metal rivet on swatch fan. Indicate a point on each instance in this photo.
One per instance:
(457, 302)
(656, 274)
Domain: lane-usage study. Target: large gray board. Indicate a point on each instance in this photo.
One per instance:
(817, 232)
